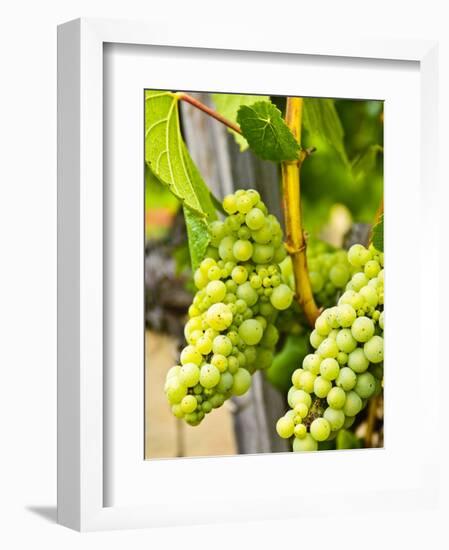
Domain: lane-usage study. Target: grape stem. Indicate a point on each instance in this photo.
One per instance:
(214, 114)
(291, 202)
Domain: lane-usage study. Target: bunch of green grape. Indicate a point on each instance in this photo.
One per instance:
(230, 332)
(336, 381)
(329, 271)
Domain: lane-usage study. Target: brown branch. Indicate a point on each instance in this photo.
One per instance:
(214, 114)
(291, 197)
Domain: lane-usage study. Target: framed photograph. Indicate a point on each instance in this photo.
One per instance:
(227, 213)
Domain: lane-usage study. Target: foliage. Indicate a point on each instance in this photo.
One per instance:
(169, 160)
(266, 132)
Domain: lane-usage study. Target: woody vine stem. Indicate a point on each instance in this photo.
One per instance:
(291, 198)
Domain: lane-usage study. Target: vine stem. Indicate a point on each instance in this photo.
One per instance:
(291, 202)
(214, 114)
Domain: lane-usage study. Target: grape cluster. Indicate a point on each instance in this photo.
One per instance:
(230, 332)
(329, 271)
(346, 369)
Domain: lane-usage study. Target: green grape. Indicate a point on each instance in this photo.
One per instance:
(321, 386)
(242, 250)
(362, 329)
(225, 250)
(226, 382)
(282, 297)
(328, 348)
(312, 362)
(251, 331)
(239, 274)
(381, 320)
(247, 293)
(285, 427)
(366, 385)
(306, 380)
(353, 404)
(189, 374)
(372, 269)
(374, 349)
(222, 345)
(358, 361)
(358, 255)
(346, 315)
(322, 326)
(230, 204)
(315, 339)
(335, 417)
(216, 291)
(329, 368)
(204, 345)
(336, 398)
(219, 316)
(188, 404)
(339, 275)
(219, 361)
(346, 379)
(175, 391)
(300, 431)
(306, 443)
(255, 219)
(241, 382)
(209, 376)
(320, 429)
(244, 203)
(358, 281)
(262, 253)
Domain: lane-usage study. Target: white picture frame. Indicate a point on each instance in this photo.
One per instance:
(99, 482)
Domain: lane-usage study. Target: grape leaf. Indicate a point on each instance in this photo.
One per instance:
(377, 237)
(365, 163)
(266, 132)
(167, 156)
(228, 106)
(320, 118)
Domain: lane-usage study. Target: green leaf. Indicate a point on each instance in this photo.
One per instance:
(167, 156)
(320, 118)
(365, 163)
(378, 235)
(266, 132)
(228, 106)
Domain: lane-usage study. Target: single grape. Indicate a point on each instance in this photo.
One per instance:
(230, 204)
(346, 379)
(222, 345)
(241, 382)
(216, 291)
(358, 361)
(329, 368)
(247, 293)
(353, 404)
(285, 427)
(320, 429)
(300, 431)
(336, 398)
(311, 362)
(189, 375)
(251, 331)
(346, 315)
(306, 443)
(374, 349)
(335, 417)
(362, 329)
(282, 297)
(366, 385)
(209, 376)
(219, 316)
(188, 404)
(242, 250)
(321, 386)
(328, 348)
